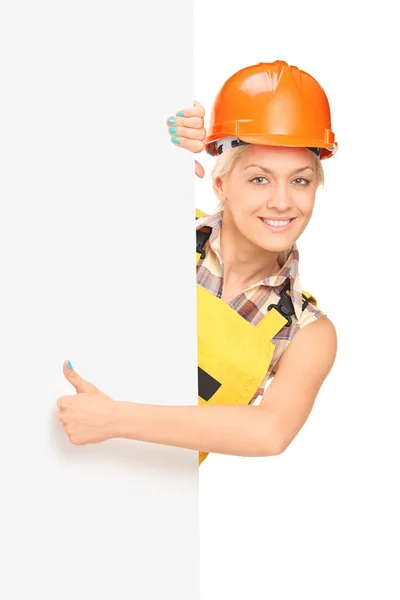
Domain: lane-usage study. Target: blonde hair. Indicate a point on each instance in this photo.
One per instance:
(225, 164)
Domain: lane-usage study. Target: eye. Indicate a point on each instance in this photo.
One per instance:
(258, 180)
(302, 182)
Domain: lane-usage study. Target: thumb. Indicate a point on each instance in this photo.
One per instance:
(81, 386)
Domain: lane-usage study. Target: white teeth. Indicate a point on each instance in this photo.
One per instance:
(276, 223)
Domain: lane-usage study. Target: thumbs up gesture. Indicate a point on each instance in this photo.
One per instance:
(86, 417)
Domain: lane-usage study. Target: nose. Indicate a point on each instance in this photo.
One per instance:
(279, 197)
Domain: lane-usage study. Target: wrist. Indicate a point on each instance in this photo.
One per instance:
(121, 422)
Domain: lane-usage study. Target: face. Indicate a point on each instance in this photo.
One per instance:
(269, 195)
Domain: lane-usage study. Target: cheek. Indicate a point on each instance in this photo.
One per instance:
(305, 202)
(243, 198)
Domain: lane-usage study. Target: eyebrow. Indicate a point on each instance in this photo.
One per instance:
(300, 170)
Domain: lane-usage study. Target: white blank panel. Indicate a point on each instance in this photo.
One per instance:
(96, 244)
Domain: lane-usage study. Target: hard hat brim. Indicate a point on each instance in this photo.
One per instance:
(328, 148)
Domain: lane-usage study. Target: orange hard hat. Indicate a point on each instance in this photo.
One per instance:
(272, 104)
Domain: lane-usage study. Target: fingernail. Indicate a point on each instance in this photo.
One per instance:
(69, 365)
(172, 129)
(172, 121)
(175, 139)
(179, 114)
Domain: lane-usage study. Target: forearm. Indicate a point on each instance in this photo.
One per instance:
(223, 429)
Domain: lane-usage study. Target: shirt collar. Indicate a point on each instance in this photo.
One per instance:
(290, 270)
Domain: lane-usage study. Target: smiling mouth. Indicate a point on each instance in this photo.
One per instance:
(277, 225)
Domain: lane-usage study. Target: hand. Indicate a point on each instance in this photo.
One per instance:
(187, 131)
(88, 416)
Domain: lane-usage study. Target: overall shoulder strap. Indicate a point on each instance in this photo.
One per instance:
(202, 236)
(280, 315)
(311, 298)
(200, 213)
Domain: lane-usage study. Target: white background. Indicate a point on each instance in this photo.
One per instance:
(321, 521)
(88, 179)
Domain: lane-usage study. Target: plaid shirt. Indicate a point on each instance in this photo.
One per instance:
(252, 304)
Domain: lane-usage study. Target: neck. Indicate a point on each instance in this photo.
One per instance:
(244, 262)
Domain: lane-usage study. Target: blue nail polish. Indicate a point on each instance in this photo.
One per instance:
(179, 114)
(69, 365)
(172, 129)
(172, 121)
(175, 139)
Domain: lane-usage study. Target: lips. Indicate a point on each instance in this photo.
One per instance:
(278, 228)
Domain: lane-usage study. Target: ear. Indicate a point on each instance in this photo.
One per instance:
(219, 189)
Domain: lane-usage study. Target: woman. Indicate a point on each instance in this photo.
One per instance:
(270, 127)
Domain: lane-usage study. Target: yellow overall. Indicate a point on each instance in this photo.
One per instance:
(233, 354)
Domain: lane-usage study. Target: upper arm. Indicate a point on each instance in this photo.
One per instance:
(300, 373)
